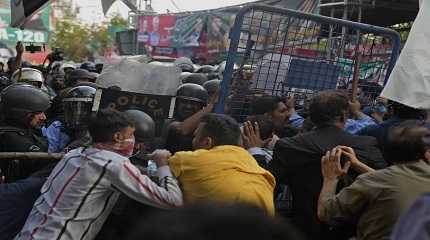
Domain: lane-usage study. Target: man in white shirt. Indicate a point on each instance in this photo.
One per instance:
(82, 189)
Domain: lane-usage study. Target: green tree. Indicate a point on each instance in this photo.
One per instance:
(72, 38)
(80, 41)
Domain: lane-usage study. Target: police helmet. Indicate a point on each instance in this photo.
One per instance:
(65, 67)
(144, 124)
(206, 69)
(196, 78)
(78, 74)
(78, 102)
(89, 66)
(212, 86)
(185, 64)
(19, 100)
(28, 75)
(193, 92)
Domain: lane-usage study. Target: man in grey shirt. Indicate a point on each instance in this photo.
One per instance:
(377, 198)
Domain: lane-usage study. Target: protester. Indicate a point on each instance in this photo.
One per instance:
(400, 113)
(73, 192)
(296, 161)
(357, 119)
(378, 198)
(257, 134)
(219, 169)
(273, 107)
(14, 63)
(210, 221)
(127, 210)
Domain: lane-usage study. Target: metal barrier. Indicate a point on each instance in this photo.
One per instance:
(284, 52)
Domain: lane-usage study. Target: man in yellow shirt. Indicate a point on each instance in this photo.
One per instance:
(220, 170)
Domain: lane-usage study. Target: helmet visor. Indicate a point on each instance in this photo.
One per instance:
(76, 113)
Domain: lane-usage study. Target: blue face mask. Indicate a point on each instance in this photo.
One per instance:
(380, 108)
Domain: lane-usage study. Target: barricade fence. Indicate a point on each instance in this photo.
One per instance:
(285, 53)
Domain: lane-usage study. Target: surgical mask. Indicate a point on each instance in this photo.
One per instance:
(124, 147)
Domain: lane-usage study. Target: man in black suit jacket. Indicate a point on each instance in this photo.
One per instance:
(297, 160)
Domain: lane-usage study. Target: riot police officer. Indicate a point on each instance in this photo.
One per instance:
(78, 76)
(78, 103)
(206, 69)
(30, 76)
(191, 100)
(185, 64)
(33, 77)
(89, 66)
(75, 78)
(72, 132)
(145, 130)
(24, 109)
(212, 86)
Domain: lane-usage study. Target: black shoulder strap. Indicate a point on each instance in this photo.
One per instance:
(7, 129)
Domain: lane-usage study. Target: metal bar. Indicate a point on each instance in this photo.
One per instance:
(344, 17)
(30, 156)
(356, 76)
(301, 38)
(319, 18)
(231, 57)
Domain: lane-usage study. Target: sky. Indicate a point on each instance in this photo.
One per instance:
(90, 11)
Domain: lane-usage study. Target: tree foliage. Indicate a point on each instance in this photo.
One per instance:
(80, 42)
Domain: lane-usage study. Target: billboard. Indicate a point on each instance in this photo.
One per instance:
(156, 31)
(205, 31)
(35, 30)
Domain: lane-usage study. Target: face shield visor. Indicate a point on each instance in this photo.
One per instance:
(77, 111)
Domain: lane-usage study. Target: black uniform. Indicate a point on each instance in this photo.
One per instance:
(13, 139)
(18, 103)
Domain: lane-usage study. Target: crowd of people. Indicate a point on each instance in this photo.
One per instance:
(334, 169)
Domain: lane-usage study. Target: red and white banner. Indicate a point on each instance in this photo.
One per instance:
(157, 31)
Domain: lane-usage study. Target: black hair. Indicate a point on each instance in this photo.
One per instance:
(106, 123)
(328, 107)
(287, 131)
(264, 123)
(213, 221)
(223, 129)
(407, 142)
(307, 125)
(265, 104)
(406, 112)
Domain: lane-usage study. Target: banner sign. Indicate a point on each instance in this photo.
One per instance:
(192, 30)
(156, 31)
(368, 70)
(157, 106)
(22, 12)
(35, 30)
